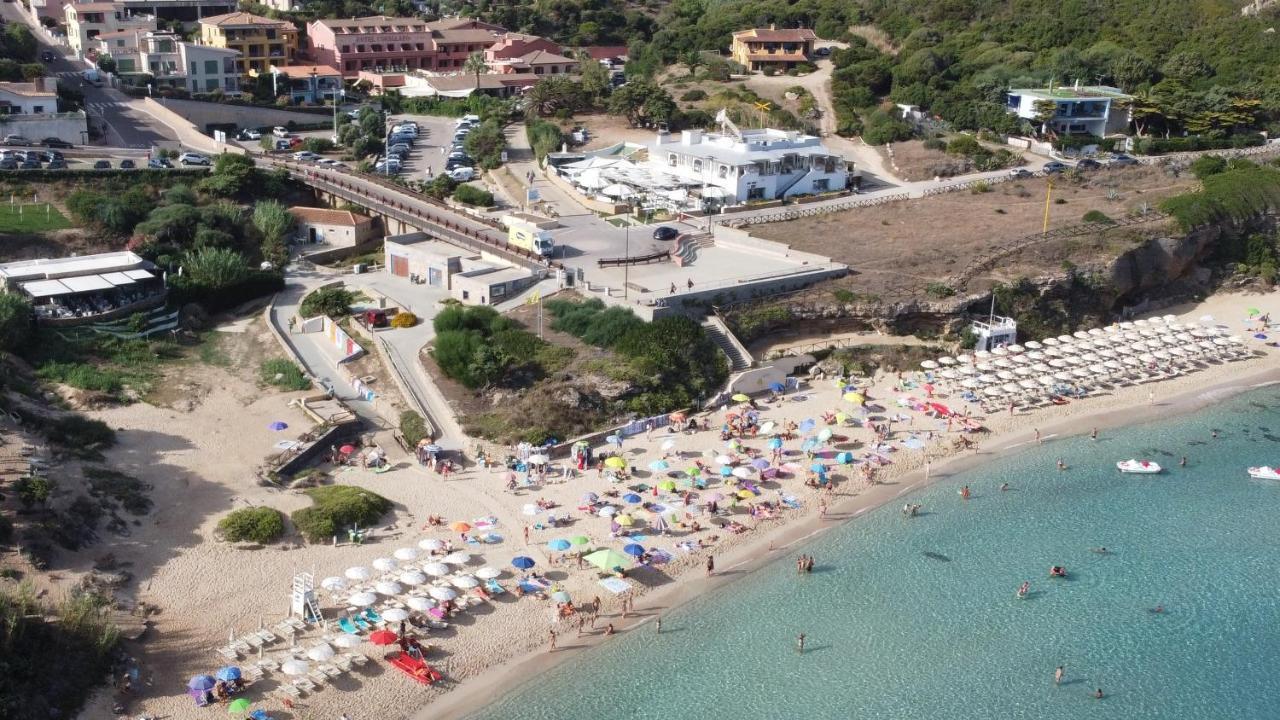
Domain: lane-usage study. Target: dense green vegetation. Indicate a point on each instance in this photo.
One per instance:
(336, 508)
(284, 374)
(100, 363)
(15, 322)
(334, 302)
(478, 347)
(473, 195)
(672, 362)
(51, 657)
(256, 524)
(1240, 191)
(413, 427)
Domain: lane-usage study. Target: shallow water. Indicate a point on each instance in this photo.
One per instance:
(917, 618)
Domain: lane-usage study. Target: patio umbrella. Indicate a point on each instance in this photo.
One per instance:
(383, 637)
(443, 594)
(489, 573)
(818, 468)
(436, 569)
(768, 427)
(824, 434)
(363, 599)
(465, 582)
(358, 573)
(412, 577)
(854, 397)
(658, 465)
(559, 545)
(632, 498)
(615, 462)
(667, 486)
(625, 520)
(228, 673)
(760, 464)
(333, 584)
(806, 425)
(384, 564)
(407, 554)
(561, 596)
(347, 449)
(580, 540)
(416, 602)
(947, 360)
(742, 472)
(278, 426)
(431, 544)
(775, 443)
(633, 549)
(607, 511)
(238, 706)
(607, 559)
(460, 526)
(457, 558)
(522, 562)
(617, 190)
(346, 642)
(387, 587)
(740, 397)
(320, 653)
(591, 179)
(297, 667)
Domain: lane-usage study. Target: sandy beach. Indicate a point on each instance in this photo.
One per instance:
(200, 462)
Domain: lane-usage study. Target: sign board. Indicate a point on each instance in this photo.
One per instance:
(504, 156)
(220, 136)
(532, 195)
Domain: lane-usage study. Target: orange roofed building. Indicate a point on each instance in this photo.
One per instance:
(758, 48)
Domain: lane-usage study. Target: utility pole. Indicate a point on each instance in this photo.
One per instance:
(626, 263)
(1047, 194)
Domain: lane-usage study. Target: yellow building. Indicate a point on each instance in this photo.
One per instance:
(262, 42)
(770, 47)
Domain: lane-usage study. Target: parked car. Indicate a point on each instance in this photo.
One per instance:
(1020, 173)
(1121, 160)
(1053, 167)
(330, 163)
(8, 163)
(51, 155)
(462, 174)
(247, 134)
(280, 132)
(375, 318)
(305, 156)
(822, 51)
(54, 142)
(665, 232)
(127, 164)
(48, 56)
(102, 165)
(194, 159)
(469, 119)
(405, 127)
(399, 147)
(401, 140)
(1088, 164)
(159, 162)
(14, 140)
(31, 163)
(455, 164)
(57, 164)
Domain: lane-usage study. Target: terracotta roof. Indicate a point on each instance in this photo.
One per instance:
(304, 71)
(236, 19)
(605, 52)
(488, 81)
(542, 57)
(770, 35)
(328, 217)
(28, 89)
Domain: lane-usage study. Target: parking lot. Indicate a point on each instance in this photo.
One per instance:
(435, 135)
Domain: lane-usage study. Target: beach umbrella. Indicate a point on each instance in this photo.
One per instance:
(1033, 345)
(666, 486)
(539, 459)
(321, 652)
(818, 467)
(228, 673)
(580, 540)
(946, 360)
(824, 434)
(615, 462)
(431, 544)
(713, 497)
(388, 587)
(607, 511)
(436, 569)
(346, 642)
(561, 596)
(559, 545)
(724, 460)
(746, 494)
(465, 582)
(854, 397)
(412, 577)
(632, 498)
(457, 558)
(347, 449)
(238, 706)
(617, 190)
(929, 365)
(590, 498)
(633, 549)
(668, 445)
(333, 584)
(775, 443)
(693, 472)
(739, 397)
(768, 427)
(362, 599)
(522, 562)
(607, 559)
(442, 594)
(278, 426)
(383, 564)
(613, 439)
(417, 602)
(383, 637)
(742, 472)
(806, 425)
(530, 509)
(777, 387)
(460, 526)
(964, 359)
(760, 464)
(297, 667)
(658, 465)
(406, 553)
(625, 520)
(489, 573)
(358, 573)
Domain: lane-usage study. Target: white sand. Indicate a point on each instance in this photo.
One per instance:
(201, 463)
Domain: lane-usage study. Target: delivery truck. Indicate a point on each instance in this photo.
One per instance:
(530, 232)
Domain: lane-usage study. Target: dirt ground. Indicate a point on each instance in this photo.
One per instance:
(898, 248)
(607, 130)
(911, 160)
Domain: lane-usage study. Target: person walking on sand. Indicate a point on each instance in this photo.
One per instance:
(1038, 440)
(526, 534)
(553, 641)
(800, 643)
(711, 565)
(658, 625)
(1094, 434)
(1057, 675)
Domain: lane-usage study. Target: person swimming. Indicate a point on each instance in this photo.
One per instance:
(1100, 551)
(1157, 610)
(1024, 589)
(1057, 571)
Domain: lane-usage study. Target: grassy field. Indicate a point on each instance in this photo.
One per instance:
(33, 219)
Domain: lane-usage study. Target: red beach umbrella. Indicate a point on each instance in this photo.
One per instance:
(383, 637)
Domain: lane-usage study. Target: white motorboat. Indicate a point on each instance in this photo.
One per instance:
(1139, 467)
(1265, 472)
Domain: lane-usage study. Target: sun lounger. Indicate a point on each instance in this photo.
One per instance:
(253, 672)
(291, 690)
(267, 664)
(343, 662)
(494, 587)
(228, 653)
(357, 659)
(304, 684)
(330, 671)
(241, 647)
(348, 627)
(254, 639)
(267, 636)
(318, 677)
(295, 623)
(361, 623)
(372, 616)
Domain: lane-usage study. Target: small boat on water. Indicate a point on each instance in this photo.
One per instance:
(1138, 467)
(1265, 472)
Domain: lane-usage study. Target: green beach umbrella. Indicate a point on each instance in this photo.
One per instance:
(693, 472)
(666, 486)
(237, 706)
(607, 559)
(580, 540)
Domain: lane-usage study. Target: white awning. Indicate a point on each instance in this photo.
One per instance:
(118, 278)
(86, 283)
(140, 274)
(44, 288)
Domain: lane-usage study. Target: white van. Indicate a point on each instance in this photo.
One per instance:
(280, 132)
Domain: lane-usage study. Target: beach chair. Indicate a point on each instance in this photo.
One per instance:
(228, 653)
(304, 684)
(348, 627)
(373, 617)
(267, 636)
(318, 677)
(241, 647)
(357, 659)
(361, 623)
(343, 662)
(291, 690)
(254, 639)
(259, 715)
(330, 671)
(253, 672)
(494, 587)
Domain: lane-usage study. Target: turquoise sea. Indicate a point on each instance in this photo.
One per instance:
(898, 634)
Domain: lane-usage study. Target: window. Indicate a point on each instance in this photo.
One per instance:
(466, 295)
(37, 108)
(211, 84)
(346, 48)
(697, 166)
(822, 185)
(672, 159)
(755, 193)
(210, 67)
(723, 172)
(349, 66)
(498, 291)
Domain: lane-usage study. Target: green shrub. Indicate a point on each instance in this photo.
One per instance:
(1208, 165)
(82, 376)
(317, 145)
(1097, 216)
(284, 374)
(404, 320)
(15, 322)
(33, 490)
(256, 524)
(336, 508)
(413, 427)
(472, 195)
(544, 137)
(694, 95)
(79, 432)
(939, 290)
(935, 144)
(334, 302)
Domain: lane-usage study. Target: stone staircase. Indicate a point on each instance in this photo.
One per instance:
(687, 247)
(738, 356)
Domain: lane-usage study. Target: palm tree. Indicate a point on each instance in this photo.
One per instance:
(475, 64)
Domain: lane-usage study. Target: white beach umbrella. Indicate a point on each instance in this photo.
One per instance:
(1005, 375)
(945, 374)
(1015, 348)
(1035, 355)
(929, 365)
(358, 573)
(988, 379)
(294, 667)
(1080, 334)
(436, 569)
(346, 642)
(387, 587)
(457, 558)
(383, 564)
(724, 460)
(407, 554)
(1140, 322)
(1048, 381)
(964, 359)
(984, 367)
(431, 544)
(320, 653)
(362, 599)
(1064, 339)
(488, 573)
(1051, 342)
(530, 509)
(946, 360)
(1002, 363)
(742, 472)
(1063, 377)
(1033, 345)
(967, 370)
(1010, 389)
(1126, 325)
(539, 459)
(607, 511)
(1081, 373)
(1221, 341)
(1169, 319)
(1113, 366)
(395, 615)
(993, 392)
(1162, 355)
(1131, 361)
(617, 190)
(412, 577)
(1028, 384)
(419, 603)
(1023, 371)
(465, 582)
(1041, 368)
(1057, 363)
(970, 383)
(1096, 332)
(1099, 369)
(981, 355)
(442, 593)
(333, 584)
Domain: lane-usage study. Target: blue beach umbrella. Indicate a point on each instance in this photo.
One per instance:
(228, 673)
(818, 467)
(632, 498)
(775, 443)
(559, 545)
(844, 458)
(806, 425)
(725, 471)
(777, 387)
(809, 444)
(658, 465)
(201, 682)
(523, 563)
(277, 425)
(634, 550)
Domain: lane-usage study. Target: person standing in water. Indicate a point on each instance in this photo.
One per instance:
(1057, 675)
(800, 644)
